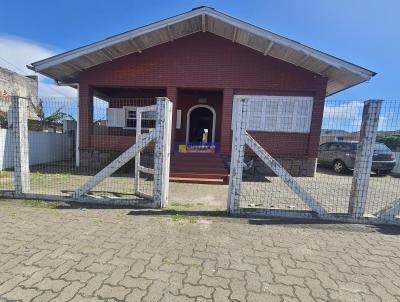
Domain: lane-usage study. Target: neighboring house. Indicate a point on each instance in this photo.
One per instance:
(202, 60)
(338, 135)
(14, 84)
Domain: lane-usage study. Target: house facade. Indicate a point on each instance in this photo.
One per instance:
(202, 61)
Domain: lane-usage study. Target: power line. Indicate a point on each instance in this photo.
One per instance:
(24, 72)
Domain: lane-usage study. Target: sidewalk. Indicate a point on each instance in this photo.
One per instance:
(70, 254)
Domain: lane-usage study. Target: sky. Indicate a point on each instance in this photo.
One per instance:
(364, 32)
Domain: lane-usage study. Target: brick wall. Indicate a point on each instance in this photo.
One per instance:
(206, 61)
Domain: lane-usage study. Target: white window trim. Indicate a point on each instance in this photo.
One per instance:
(236, 98)
(188, 121)
(130, 108)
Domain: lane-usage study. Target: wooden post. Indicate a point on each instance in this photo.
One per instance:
(19, 124)
(162, 150)
(365, 152)
(237, 155)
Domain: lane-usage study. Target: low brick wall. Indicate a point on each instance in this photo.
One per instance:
(98, 159)
(305, 167)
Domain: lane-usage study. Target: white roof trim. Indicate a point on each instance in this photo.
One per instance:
(309, 52)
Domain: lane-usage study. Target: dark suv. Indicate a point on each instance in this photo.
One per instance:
(342, 156)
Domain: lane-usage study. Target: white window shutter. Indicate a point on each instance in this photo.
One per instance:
(116, 117)
(291, 114)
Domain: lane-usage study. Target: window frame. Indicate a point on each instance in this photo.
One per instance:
(134, 108)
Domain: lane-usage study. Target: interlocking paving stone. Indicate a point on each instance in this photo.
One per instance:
(154, 258)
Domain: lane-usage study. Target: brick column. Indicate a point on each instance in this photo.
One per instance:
(226, 121)
(172, 95)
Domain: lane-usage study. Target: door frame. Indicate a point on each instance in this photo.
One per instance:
(188, 120)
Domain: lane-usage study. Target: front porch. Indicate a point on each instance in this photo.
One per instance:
(108, 127)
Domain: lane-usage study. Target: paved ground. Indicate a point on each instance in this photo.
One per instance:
(60, 253)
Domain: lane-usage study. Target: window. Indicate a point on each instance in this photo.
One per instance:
(279, 113)
(148, 118)
(344, 147)
(333, 147)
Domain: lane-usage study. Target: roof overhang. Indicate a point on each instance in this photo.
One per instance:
(66, 67)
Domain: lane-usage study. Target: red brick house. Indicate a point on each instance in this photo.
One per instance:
(201, 60)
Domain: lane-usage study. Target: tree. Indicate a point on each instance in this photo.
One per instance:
(53, 118)
(56, 117)
(390, 140)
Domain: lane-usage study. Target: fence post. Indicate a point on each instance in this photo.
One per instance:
(162, 150)
(240, 119)
(137, 157)
(19, 124)
(365, 152)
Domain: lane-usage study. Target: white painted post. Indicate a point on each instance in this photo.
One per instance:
(162, 151)
(365, 152)
(137, 157)
(77, 154)
(19, 123)
(240, 119)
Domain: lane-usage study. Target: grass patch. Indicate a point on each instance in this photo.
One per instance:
(181, 218)
(181, 205)
(5, 174)
(42, 204)
(178, 217)
(98, 221)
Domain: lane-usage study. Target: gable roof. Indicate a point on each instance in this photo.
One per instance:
(66, 67)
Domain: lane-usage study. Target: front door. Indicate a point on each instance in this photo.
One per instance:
(201, 125)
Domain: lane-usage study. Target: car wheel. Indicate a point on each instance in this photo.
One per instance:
(339, 167)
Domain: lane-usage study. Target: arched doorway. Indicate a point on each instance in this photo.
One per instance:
(200, 117)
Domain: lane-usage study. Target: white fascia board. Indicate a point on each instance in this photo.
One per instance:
(70, 55)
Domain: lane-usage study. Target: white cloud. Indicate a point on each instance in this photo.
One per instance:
(352, 109)
(16, 53)
(346, 116)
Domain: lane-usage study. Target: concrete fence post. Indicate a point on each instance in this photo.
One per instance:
(19, 124)
(240, 119)
(137, 157)
(365, 152)
(162, 151)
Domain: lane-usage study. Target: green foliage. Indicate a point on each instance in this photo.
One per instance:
(390, 140)
(3, 120)
(55, 117)
(42, 204)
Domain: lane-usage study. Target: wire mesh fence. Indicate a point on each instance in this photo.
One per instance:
(6, 149)
(63, 154)
(324, 166)
(283, 135)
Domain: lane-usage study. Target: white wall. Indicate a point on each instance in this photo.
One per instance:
(397, 167)
(44, 147)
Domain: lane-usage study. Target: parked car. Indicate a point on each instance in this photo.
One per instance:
(341, 156)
